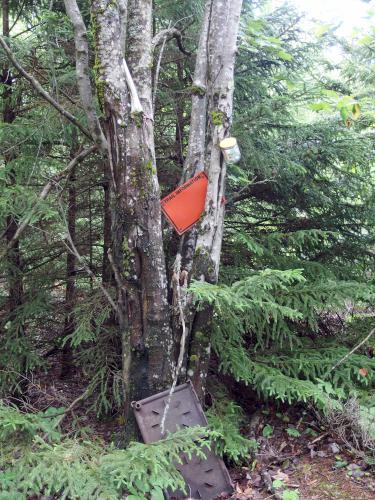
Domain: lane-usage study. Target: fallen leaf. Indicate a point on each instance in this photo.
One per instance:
(281, 476)
(248, 491)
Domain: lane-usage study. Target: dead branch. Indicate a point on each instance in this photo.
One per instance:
(73, 249)
(352, 351)
(245, 191)
(44, 193)
(70, 408)
(37, 86)
(168, 34)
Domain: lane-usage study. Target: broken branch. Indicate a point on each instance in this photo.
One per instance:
(44, 193)
(135, 103)
(169, 34)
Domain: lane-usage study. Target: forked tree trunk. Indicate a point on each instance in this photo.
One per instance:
(137, 256)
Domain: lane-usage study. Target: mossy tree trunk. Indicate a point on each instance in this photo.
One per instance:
(125, 135)
(212, 105)
(137, 248)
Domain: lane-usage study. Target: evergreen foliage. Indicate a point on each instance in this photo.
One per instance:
(299, 230)
(45, 462)
(296, 289)
(226, 418)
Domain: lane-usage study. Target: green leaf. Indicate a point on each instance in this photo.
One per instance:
(320, 106)
(157, 494)
(267, 431)
(356, 111)
(291, 431)
(322, 29)
(344, 113)
(365, 40)
(285, 56)
(277, 483)
(339, 464)
(290, 495)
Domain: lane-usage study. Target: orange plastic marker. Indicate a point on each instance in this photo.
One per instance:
(184, 206)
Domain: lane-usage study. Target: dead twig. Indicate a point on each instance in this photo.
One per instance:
(343, 359)
(319, 438)
(44, 193)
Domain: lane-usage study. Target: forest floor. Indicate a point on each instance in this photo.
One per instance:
(295, 454)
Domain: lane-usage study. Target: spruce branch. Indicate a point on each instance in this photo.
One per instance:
(44, 193)
(38, 87)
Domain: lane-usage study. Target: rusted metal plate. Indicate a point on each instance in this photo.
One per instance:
(205, 479)
(184, 411)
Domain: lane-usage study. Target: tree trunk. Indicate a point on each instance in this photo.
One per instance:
(180, 122)
(137, 246)
(70, 290)
(137, 255)
(14, 261)
(107, 222)
(210, 122)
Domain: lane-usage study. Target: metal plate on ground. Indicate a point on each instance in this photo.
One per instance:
(205, 479)
(184, 411)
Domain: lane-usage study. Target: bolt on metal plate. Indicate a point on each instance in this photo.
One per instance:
(205, 479)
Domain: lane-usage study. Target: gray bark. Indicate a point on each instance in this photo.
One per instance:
(201, 248)
(137, 256)
(137, 247)
(83, 73)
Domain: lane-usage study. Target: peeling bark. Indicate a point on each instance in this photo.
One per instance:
(124, 89)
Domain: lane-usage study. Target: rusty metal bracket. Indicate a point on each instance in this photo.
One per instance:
(205, 479)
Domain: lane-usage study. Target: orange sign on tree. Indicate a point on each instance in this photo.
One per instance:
(184, 206)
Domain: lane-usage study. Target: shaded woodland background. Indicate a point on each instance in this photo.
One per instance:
(296, 287)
